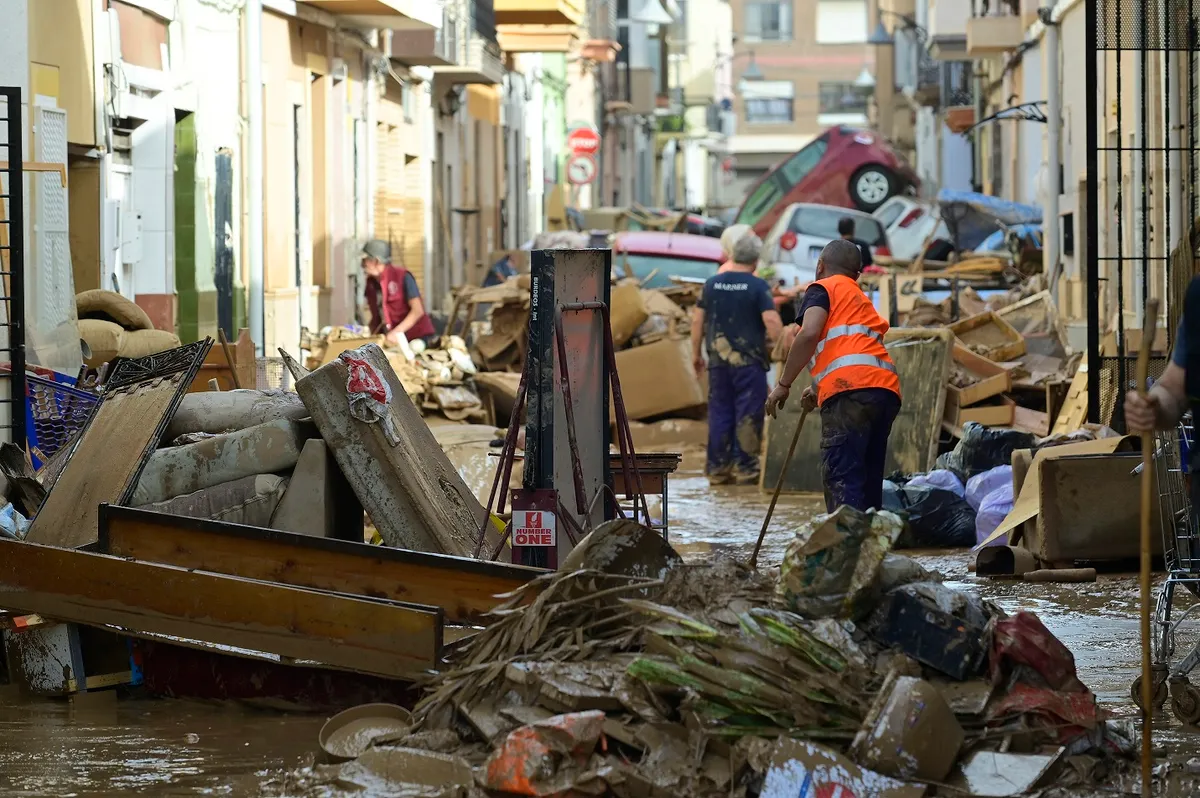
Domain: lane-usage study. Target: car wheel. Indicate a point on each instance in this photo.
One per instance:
(872, 186)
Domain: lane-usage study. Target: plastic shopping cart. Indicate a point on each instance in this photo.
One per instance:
(54, 413)
(1181, 552)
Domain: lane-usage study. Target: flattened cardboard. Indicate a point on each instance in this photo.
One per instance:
(801, 769)
(1028, 504)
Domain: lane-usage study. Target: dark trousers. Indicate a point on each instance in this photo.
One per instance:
(737, 396)
(854, 436)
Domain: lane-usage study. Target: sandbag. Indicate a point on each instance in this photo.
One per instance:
(218, 412)
(251, 501)
(104, 339)
(262, 449)
(111, 306)
(140, 343)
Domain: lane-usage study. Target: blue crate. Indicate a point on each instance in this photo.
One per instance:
(54, 413)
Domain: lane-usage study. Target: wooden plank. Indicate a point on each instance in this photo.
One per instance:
(1073, 413)
(463, 588)
(994, 379)
(97, 589)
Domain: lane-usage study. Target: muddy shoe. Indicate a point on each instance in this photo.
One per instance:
(720, 479)
(743, 478)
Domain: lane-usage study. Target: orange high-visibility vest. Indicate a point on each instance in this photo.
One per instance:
(850, 355)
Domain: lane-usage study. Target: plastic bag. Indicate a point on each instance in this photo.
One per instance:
(980, 485)
(982, 449)
(935, 518)
(992, 511)
(830, 567)
(939, 478)
(12, 523)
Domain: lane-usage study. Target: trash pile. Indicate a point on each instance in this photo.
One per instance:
(642, 676)
(437, 379)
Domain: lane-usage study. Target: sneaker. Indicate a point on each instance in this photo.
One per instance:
(746, 479)
(720, 479)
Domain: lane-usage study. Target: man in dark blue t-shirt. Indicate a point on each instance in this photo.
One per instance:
(736, 320)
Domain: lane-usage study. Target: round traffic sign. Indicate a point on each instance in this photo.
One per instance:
(583, 141)
(581, 169)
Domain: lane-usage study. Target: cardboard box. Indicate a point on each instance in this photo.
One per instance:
(998, 414)
(997, 338)
(992, 378)
(658, 379)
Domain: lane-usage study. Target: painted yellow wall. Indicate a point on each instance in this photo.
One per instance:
(60, 40)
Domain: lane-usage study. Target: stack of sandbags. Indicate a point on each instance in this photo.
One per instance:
(113, 326)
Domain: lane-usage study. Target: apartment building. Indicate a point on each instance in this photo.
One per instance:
(797, 69)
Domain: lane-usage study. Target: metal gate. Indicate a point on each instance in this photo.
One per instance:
(1142, 174)
(12, 268)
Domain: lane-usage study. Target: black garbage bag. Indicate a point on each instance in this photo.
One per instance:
(982, 449)
(934, 518)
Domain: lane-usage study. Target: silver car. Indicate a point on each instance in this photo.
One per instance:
(793, 245)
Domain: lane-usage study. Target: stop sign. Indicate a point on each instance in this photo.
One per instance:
(583, 141)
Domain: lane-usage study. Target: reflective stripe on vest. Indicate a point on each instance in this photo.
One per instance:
(853, 360)
(839, 332)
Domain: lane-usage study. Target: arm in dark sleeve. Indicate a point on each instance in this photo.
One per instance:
(815, 297)
(765, 300)
(411, 291)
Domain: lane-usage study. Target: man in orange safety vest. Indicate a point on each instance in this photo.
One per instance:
(854, 382)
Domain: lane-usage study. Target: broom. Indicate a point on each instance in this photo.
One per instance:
(1149, 328)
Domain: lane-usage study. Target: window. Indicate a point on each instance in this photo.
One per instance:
(660, 269)
(769, 21)
(770, 102)
(823, 223)
(843, 98)
(797, 167)
(841, 21)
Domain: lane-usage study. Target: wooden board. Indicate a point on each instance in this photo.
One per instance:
(462, 587)
(1073, 412)
(989, 332)
(409, 487)
(922, 359)
(993, 380)
(115, 444)
(96, 589)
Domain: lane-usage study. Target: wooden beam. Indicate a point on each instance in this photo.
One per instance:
(352, 633)
(465, 589)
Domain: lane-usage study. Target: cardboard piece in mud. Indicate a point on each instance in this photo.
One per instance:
(112, 450)
(402, 477)
(800, 769)
(658, 380)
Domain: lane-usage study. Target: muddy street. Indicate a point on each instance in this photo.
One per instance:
(168, 747)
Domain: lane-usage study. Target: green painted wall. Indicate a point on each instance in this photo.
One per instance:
(196, 296)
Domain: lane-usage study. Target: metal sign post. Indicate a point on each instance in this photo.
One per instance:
(556, 428)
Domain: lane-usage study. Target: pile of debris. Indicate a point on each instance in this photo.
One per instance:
(437, 379)
(851, 666)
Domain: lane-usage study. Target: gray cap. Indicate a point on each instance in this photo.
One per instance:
(378, 249)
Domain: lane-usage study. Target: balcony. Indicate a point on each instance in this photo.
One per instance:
(394, 14)
(540, 12)
(479, 61)
(429, 47)
(537, 38)
(993, 35)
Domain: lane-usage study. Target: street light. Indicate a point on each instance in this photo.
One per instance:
(865, 79)
(881, 37)
(653, 15)
(752, 74)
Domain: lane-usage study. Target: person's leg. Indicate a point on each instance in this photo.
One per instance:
(750, 386)
(885, 409)
(720, 424)
(845, 433)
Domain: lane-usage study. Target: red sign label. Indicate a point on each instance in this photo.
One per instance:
(583, 141)
(533, 528)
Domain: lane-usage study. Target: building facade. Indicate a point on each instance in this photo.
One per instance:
(796, 68)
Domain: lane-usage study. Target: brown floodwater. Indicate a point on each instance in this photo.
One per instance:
(172, 747)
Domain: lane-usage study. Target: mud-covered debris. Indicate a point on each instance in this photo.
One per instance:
(408, 772)
(992, 774)
(910, 734)
(804, 768)
(550, 757)
(831, 565)
(624, 547)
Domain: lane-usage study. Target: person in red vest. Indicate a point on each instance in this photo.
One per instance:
(854, 380)
(393, 297)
